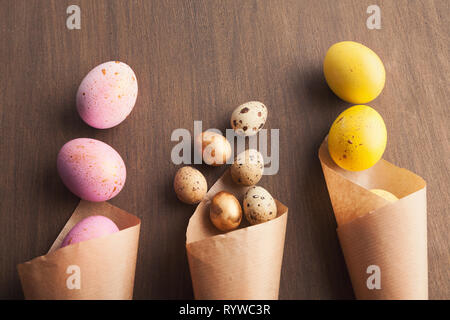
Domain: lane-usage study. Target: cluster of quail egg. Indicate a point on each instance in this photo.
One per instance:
(247, 169)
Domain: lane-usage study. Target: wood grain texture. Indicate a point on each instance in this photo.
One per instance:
(198, 60)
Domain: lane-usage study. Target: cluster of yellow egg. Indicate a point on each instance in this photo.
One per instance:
(358, 137)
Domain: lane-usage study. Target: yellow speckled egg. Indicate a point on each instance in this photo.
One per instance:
(354, 72)
(357, 138)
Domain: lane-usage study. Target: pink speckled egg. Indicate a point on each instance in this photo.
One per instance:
(107, 95)
(91, 169)
(90, 228)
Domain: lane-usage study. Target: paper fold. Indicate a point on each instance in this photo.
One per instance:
(375, 232)
(104, 267)
(241, 264)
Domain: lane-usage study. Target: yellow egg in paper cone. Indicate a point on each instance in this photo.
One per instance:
(384, 243)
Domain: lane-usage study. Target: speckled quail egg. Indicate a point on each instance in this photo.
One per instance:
(248, 167)
(190, 185)
(249, 118)
(259, 205)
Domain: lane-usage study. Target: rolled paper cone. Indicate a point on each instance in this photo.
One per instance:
(97, 269)
(241, 264)
(384, 243)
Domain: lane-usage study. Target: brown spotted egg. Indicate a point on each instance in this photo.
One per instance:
(259, 205)
(190, 185)
(249, 118)
(248, 167)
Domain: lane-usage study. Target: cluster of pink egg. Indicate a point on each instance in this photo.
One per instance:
(90, 168)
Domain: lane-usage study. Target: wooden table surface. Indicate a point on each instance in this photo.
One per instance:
(198, 60)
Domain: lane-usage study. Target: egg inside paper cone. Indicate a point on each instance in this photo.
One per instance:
(96, 269)
(240, 264)
(376, 234)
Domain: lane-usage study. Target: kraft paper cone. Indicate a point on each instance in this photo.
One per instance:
(104, 267)
(241, 264)
(375, 232)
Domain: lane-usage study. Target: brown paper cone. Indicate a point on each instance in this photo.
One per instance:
(241, 264)
(375, 232)
(104, 266)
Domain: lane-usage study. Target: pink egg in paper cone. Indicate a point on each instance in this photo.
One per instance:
(90, 228)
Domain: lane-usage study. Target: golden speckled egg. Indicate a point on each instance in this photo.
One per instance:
(190, 185)
(354, 72)
(259, 205)
(249, 118)
(248, 167)
(357, 138)
(214, 148)
(385, 194)
(225, 211)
